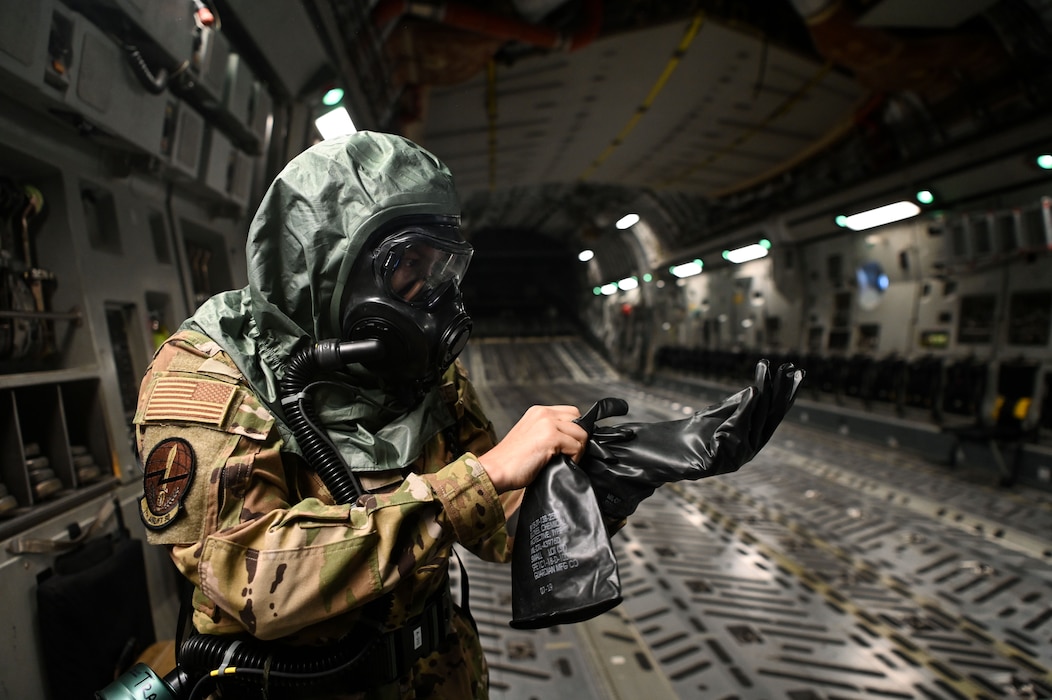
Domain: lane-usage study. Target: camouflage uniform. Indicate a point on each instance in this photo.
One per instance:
(226, 488)
(268, 551)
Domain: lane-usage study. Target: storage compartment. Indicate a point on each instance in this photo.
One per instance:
(45, 448)
(85, 423)
(54, 448)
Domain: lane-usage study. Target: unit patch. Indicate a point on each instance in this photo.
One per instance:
(169, 473)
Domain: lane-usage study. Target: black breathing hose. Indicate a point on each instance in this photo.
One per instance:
(261, 664)
(318, 450)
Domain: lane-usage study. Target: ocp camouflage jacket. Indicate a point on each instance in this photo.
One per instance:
(257, 532)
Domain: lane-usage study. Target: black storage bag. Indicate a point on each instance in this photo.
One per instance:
(94, 615)
(563, 566)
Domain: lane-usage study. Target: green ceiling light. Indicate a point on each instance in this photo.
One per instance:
(1044, 161)
(841, 221)
(647, 277)
(596, 291)
(332, 97)
(764, 243)
(925, 197)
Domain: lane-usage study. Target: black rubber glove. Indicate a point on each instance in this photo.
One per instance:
(627, 462)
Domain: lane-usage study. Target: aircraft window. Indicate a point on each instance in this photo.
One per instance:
(1029, 317)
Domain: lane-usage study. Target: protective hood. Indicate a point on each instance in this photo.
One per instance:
(312, 223)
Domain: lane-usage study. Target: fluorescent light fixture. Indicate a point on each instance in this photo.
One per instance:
(335, 123)
(628, 283)
(648, 277)
(749, 252)
(925, 197)
(886, 214)
(687, 269)
(1044, 161)
(586, 255)
(627, 221)
(608, 289)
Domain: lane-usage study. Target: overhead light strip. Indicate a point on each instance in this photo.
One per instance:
(692, 31)
(887, 214)
(745, 254)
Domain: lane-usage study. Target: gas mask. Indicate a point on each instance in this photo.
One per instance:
(404, 292)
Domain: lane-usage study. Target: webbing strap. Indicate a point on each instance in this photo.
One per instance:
(29, 545)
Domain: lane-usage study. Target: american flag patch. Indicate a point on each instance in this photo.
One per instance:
(196, 400)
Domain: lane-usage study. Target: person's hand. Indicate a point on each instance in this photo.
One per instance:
(542, 433)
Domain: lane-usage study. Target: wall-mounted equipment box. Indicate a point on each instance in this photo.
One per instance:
(210, 62)
(187, 140)
(226, 171)
(1036, 225)
(24, 31)
(107, 96)
(261, 111)
(162, 31)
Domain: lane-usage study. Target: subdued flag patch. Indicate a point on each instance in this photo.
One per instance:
(196, 400)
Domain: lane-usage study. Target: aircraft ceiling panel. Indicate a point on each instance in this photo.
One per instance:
(630, 110)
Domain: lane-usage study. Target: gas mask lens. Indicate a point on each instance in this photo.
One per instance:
(416, 267)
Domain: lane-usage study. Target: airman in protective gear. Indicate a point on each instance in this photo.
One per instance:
(356, 241)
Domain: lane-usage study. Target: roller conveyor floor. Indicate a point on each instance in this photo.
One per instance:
(825, 569)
